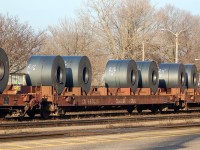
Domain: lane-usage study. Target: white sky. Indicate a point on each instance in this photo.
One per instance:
(41, 13)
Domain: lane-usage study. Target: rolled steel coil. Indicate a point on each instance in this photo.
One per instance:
(46, 71)
(4, 70)
(172, 75)
(191, 76)
(148, 75)
(121, 74)
(78, 72)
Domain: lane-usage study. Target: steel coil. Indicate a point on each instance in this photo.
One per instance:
(4, 70)
(46, 71)
(191, 76)
(121, 74)
(148, 75)
(172, 76)
(78, 72)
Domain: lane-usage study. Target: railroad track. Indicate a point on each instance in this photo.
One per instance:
(86, 132)
(95, 121)
(74, 115)
(96, 114)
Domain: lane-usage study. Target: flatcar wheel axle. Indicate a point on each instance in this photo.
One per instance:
(31, 113)
(44, 112)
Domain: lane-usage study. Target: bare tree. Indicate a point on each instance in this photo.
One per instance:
(19, 41)
(69, 37)
(122, 26)
(174, 23)
(72, 37)
(116, 29)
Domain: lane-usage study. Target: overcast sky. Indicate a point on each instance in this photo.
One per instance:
(41, 13)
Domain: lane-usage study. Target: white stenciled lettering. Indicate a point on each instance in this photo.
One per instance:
(162, 72)
(68, 64)
(31, 68)
(112, 70)
(132, 101)
(90, 101)
(120, 101)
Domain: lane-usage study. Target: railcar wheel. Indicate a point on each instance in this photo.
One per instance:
(21, 114)
(3, 114)
(176, 109)
(154, 110)
(61, 113)
(130, 109)
(139, 109)
(160, 110)
(44, 112)
(31, 113)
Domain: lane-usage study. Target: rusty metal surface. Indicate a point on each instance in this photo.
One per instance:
(96, 97)
(112, 100)
(25, 95)
(197, 98)
(13, 100)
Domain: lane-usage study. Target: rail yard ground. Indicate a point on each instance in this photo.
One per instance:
(180, 133)
(124, 138)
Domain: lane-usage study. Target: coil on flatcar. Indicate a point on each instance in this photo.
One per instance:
(46, 71)
(148, 75)
(121, 74)
(172, 75)
(4, 70)
(191, 76)
(78, 72)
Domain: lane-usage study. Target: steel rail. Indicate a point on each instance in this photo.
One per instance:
(94, 121)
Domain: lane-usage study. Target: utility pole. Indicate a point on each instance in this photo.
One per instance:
(176, 41)
(177, 34)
